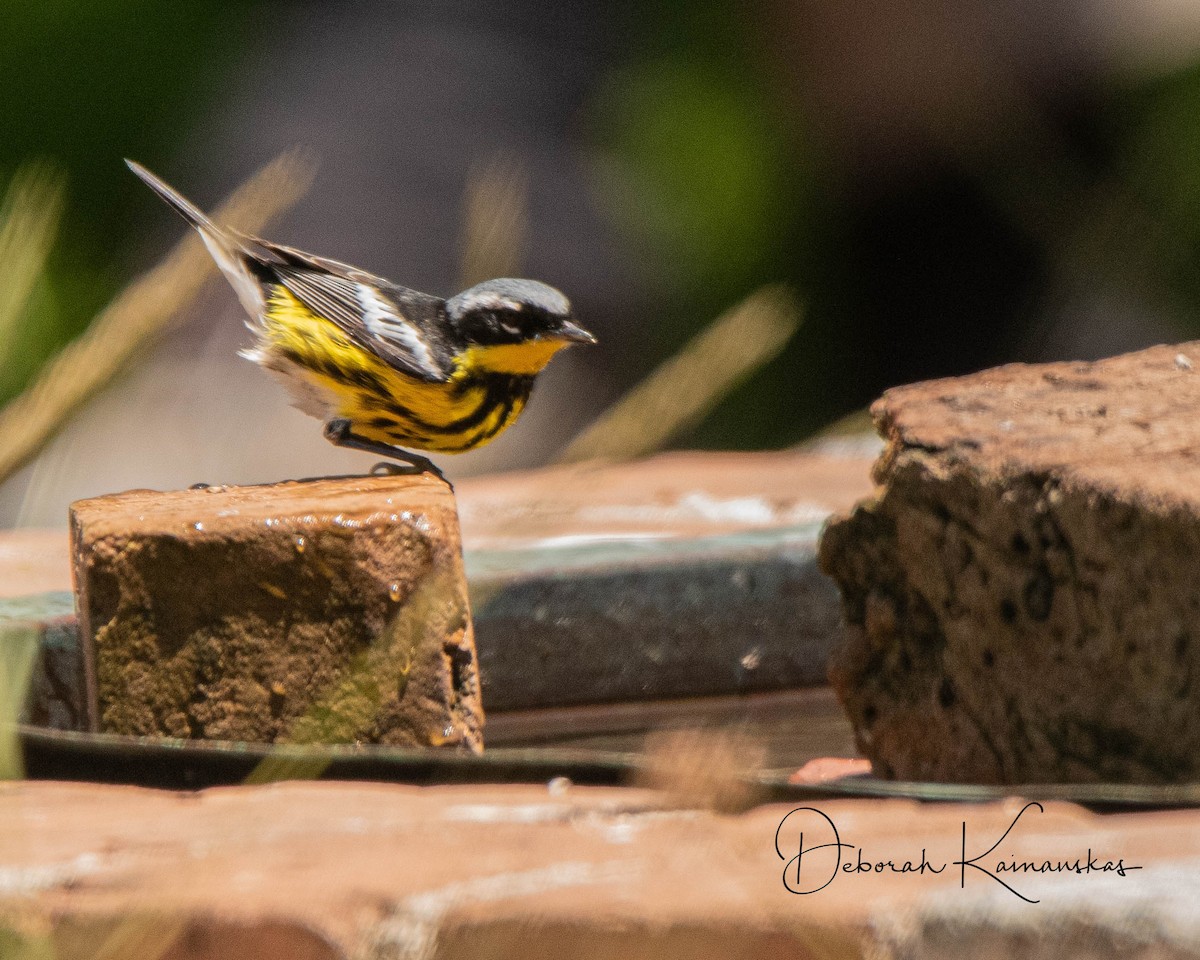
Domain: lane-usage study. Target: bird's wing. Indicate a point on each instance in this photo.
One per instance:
(402, 327)
(396, 324)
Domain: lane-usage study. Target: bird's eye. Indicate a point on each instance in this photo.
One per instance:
(509, 328)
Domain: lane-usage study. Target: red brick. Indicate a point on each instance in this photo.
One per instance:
(301, 611)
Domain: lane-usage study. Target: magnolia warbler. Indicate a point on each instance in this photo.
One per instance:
(387, 367)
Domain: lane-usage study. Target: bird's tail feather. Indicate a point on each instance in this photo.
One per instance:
(226, 249)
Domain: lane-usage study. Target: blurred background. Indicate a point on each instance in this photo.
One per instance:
(946, 186)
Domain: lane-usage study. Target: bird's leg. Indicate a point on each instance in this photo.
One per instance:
(338, 433)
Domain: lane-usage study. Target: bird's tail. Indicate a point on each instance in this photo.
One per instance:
(226, 249)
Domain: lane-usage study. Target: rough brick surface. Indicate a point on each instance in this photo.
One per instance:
(325, 610)
(1023, 595)
(301, 871)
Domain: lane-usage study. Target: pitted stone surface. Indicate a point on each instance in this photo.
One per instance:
(1023, 594)
(327, 610)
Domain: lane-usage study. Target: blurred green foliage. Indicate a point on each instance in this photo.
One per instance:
(85, 84)
(719, 181)
(957, 261)
(1158, 121)
(18, 653)
(710, 171)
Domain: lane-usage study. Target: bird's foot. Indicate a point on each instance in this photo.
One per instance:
(339, 433)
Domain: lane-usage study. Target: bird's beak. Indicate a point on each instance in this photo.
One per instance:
(573, 333)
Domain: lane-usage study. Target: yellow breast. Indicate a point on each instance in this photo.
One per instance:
(485, 392)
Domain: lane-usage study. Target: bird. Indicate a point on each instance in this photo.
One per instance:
(388, 369)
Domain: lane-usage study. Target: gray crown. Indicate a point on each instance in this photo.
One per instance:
(509, 294)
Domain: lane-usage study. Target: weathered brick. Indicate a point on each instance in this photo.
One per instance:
(323, 610)
(1022, 594)
(381, 872)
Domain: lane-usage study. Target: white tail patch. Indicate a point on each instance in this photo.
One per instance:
(224, 247)
(225, 252)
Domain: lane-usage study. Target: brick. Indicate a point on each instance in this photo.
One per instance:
(1021, 596)
(340, 871)
(324, 610)
(687, 574)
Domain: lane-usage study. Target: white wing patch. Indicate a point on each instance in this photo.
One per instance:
(381, 320)
(367, 315)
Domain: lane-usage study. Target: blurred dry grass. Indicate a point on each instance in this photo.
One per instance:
(495, 220)
(148, 936)
(29, 218)
(704, 769)
(686, 388)
(135, 319)
(18, 650)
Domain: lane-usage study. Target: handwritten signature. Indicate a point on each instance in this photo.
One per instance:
(806, 870)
